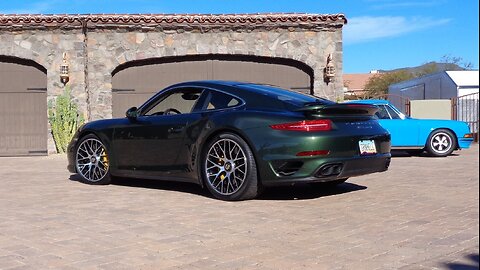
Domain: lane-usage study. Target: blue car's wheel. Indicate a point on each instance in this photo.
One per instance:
(441, 143)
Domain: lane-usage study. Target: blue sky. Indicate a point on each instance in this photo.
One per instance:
(380, 34)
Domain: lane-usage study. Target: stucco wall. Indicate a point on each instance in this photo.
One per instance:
(431, 109)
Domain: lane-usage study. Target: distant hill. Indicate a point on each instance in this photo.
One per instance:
(428, 68)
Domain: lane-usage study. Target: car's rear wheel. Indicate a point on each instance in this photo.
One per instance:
(92, 162)
(441, 143)
(229, 169)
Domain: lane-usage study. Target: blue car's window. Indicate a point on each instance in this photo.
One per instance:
(393, 113)
(382, 113)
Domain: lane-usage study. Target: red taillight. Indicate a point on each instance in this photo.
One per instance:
(313, 153)
(307, 125)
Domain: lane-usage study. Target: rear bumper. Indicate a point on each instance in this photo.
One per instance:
(350, 167)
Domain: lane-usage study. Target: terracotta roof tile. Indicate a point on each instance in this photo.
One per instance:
(356, 82)
(171, 19)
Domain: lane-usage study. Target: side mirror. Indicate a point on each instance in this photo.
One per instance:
(132, 113)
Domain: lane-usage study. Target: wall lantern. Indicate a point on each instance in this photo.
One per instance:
(329, 70)
(64, 70)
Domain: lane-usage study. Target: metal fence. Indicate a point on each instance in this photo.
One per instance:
(465, 108)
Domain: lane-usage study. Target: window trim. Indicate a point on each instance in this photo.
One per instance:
(399, 113)
(388, 113)
(205, 89)
(209, 93)
(159, 97)
(208, 89)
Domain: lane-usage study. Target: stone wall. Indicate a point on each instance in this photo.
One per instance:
(108, 49)
(97, 44)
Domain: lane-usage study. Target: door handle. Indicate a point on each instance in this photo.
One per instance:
(175, 129)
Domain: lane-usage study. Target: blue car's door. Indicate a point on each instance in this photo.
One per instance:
(404, 130)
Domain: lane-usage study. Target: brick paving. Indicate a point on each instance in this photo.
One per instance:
(421, 214)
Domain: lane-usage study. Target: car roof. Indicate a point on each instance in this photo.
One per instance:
(212, 83)
(233, 87)
(370, 101)
(258, 95)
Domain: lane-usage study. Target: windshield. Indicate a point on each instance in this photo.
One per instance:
(395, 110)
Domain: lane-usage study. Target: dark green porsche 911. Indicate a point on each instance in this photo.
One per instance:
(234, 139)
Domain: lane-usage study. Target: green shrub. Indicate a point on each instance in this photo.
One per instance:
(64, 120)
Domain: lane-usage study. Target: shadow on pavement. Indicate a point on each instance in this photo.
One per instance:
(404, 154)
(296, 192)
(155, 184)
(474, 258)
(306, 191)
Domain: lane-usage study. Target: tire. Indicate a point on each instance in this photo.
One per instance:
(92, 162)
(329, 184)
(228, 168)
(441, 143)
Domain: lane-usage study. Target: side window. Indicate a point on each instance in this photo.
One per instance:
(382, 112)
(393, 113)
(178, 101)
(217, 100)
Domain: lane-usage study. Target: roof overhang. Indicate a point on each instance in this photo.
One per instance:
(165, 21)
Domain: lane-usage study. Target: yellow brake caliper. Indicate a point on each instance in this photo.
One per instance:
(222, 176)
(104, 158)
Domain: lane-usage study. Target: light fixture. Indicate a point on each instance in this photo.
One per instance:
(64, 70)
(329, 72)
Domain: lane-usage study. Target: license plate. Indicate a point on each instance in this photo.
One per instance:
(367, 147)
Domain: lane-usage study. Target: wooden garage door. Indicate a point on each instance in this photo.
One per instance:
(134, 85)
(23, 110)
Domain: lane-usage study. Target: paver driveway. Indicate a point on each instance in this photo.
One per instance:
(421, 214)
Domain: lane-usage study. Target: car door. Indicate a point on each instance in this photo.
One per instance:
(149, 144)
(404, 130)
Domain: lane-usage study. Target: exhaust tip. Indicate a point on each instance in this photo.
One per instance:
(330, 170)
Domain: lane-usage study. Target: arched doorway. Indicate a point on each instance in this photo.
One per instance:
(23, 107)
(134, 82)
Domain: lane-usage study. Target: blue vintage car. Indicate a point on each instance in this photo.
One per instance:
(438, 137)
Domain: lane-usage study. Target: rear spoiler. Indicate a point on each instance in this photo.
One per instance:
(337, 109)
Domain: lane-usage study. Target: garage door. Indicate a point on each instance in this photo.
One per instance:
(23, 110)
(134, 85)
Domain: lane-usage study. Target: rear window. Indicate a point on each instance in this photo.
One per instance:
(291, 100)
(218, 100)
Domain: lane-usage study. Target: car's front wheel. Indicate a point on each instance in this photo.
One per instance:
(91, 161)
(441, 143)
(229, 169)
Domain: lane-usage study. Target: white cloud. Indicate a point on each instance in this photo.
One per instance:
(367, 28)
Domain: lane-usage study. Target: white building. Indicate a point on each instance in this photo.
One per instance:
(441, 85)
